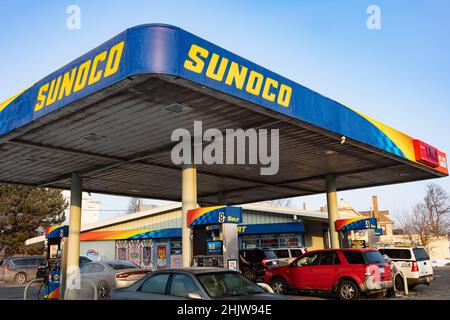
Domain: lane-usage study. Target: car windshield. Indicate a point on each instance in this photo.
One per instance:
(228, 284)
(269, 254)
(373, 257)
(122, 265)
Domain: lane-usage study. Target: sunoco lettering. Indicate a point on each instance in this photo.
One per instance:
(103, 65)
(222, 69)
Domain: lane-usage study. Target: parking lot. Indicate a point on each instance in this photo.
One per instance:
(438, 290)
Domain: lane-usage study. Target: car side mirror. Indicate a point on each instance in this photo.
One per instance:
(194, 296)
(293, 265)
(265, 287)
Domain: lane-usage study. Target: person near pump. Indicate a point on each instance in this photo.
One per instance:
(394, 271)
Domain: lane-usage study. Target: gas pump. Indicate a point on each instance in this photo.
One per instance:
(346, 226)
(215, 236)
(55, 268)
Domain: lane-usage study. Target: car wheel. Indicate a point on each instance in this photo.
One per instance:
(279, 286)
(249, 274)
(20, 278)
(348, 290)
(103, 291)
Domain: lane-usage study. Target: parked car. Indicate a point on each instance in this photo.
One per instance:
(198, 283)
(440, 263)
(347, 272)
(107, 275)
(287, 255)
(42, 270)
(20, 269)
(254, 262)
(413, 262)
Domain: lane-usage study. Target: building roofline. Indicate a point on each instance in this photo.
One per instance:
(301, 214)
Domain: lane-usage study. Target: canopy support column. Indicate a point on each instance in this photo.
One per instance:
(73, 248)
(189, 201)
(332, 210)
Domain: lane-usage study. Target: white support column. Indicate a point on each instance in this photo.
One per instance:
(73, 248)
(189, 201)
(332, 210)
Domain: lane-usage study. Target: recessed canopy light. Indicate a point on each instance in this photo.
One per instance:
(177, 108)
(93, 137)
(329, 152)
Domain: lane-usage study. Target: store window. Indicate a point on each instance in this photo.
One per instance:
(121, 253)
(175, 247)
(272, 240)
(147, 255)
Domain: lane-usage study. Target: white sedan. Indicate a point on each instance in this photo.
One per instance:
(107, 275)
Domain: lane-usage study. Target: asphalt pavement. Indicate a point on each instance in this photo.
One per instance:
(439, 289)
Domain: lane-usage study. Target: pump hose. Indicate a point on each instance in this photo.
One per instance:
(25, 292)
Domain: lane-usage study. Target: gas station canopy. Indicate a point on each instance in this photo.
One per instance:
(109, 116)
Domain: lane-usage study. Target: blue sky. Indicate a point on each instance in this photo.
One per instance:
(399, 75)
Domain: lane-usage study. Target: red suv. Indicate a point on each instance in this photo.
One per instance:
(348, 272)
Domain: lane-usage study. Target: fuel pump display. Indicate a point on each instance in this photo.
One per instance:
(215, 236)
(56, 262)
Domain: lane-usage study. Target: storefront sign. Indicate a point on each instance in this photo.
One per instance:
(286, 227)
(378, 231)
(92, 253)
(214, 215)
(130, 234)
(356, 224)
(56, 232)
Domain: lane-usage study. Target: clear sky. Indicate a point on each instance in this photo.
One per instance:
(399, 74)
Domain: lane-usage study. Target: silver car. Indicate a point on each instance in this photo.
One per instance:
(107, 275)
(194, 283)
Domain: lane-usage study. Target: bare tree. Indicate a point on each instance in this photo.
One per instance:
(437, 205)
(413, 224)
(419, 224)
(133, 205)
(427, 219)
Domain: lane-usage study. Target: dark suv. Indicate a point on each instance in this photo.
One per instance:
(20, 269)
(254, 262)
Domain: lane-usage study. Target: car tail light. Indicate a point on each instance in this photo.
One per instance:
(264, 262)
(414, 267)
(125, 275)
